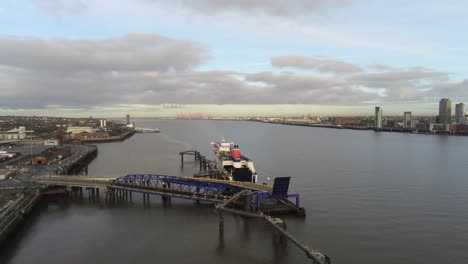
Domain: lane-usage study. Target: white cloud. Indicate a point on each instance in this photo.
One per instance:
(147, 69)
(61, 7)
(323, 65)
(272, 7)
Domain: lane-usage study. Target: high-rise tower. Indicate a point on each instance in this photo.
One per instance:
(378, 117)
(407, 120)
(445, 111)
(460, 113)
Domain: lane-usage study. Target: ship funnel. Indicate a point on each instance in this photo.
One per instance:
(235, 152)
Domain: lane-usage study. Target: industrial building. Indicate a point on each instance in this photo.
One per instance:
(51, 155)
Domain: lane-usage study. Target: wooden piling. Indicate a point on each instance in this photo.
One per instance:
(221, 222)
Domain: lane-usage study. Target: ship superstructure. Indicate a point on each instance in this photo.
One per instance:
(230, 161)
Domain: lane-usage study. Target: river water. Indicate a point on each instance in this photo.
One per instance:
(370, 197)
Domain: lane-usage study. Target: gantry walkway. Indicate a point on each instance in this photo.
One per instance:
(211, 190)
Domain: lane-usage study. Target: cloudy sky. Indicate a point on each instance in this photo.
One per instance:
(229, 57)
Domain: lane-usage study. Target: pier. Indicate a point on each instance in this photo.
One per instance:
(208, 167)
(239, 198)
(268, 199)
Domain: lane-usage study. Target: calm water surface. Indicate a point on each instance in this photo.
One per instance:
(370, 198)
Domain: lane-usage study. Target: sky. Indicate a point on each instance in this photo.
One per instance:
(228, 57)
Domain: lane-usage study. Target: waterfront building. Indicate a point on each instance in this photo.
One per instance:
(79, 129)
(128, 120)
(458, 128)
(95, 135)
(407, 120)
(445, 111)
(460, 113)
(14, 134)
(378, 117)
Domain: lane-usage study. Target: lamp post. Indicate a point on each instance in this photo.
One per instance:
(30, 146)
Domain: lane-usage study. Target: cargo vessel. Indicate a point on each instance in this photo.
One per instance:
(234, 165)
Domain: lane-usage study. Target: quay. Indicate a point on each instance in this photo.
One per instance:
(122, 137)
(79, 160)
(14, 211)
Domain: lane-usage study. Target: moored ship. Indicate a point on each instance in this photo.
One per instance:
(230, 161)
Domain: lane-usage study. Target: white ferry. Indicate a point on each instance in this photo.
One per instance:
(230, 161)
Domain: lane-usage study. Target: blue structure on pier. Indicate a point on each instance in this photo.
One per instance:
(174, 186)
(198, 189)
(256, 197)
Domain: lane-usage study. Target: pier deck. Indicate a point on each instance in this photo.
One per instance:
(199, 189)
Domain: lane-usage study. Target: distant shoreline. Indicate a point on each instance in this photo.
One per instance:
(391, 130)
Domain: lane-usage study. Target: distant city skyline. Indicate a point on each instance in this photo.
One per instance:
(230, 58)
(228, 111)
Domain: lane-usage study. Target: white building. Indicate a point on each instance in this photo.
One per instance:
(103, 123)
